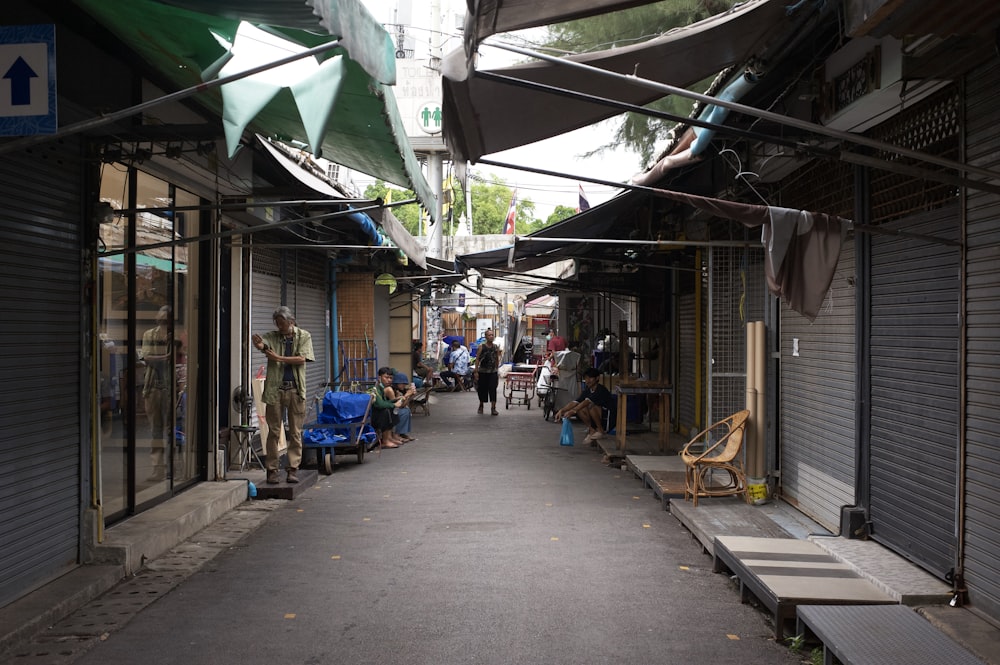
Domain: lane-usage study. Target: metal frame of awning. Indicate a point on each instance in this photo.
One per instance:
(188, 42)
(804, 125)
(246, 231)
(367, 205)
(114, 116)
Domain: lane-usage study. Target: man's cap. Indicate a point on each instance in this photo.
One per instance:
(399, 377)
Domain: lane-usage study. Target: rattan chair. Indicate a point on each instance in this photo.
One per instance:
(717, 448)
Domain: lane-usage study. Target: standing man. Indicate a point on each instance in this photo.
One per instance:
(288, 349)
(157, 353)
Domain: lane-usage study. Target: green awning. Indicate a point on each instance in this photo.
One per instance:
(342, 106)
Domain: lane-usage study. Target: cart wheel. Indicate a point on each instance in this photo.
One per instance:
(361, 453)
(327, 463)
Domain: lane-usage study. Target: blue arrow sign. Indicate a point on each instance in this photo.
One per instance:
(20, 75)
(27, 80)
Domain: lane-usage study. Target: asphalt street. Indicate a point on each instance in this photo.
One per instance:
(484, 541)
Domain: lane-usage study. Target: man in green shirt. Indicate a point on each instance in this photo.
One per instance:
(288, 349)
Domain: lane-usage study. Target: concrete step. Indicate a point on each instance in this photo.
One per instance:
(138, 539)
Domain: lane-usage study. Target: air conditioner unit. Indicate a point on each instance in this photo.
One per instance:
(864, 84)
(448, 300)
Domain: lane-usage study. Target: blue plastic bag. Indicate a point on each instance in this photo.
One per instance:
(567, 433)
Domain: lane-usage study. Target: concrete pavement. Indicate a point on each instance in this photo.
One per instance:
(484, 540)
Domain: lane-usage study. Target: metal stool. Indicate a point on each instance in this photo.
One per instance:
(244, 437)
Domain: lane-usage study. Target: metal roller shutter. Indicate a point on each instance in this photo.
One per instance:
(817, 402)
(310, 313)
(265, 296)
(914, 341)
(982, 454)
(307, 295)
(40, 458)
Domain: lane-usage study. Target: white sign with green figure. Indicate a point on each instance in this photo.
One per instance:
(429, 117)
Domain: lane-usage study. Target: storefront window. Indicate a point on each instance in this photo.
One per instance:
(145, 321)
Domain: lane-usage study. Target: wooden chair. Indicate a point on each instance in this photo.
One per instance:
(421, 400)
(717, 448)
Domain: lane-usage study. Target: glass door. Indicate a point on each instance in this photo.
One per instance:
(146, 320)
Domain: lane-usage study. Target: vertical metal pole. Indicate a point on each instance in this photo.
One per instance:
(435, 175)
(710, 347)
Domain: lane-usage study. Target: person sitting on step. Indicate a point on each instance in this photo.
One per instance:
(594, 407)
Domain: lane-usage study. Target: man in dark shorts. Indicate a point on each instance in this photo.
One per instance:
(594, 407)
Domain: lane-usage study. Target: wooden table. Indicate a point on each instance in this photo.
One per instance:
(664, 390)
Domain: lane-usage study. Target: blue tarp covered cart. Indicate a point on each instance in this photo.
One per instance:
(342, 427)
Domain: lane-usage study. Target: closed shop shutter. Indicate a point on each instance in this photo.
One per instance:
(982, 454)
(40, 458)
(310, 313)
(914, 341)
(305, 294)
(265, 296)
(307, 297)
(817, 402)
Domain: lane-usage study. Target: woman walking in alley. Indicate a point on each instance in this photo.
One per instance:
(486, 372)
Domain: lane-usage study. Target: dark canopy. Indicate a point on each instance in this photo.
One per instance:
(482, 116)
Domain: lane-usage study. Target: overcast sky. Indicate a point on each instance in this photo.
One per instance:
(561, 154)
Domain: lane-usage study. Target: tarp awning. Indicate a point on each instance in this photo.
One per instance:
(482, 116)
(489, 17)
(400, 236)
(526, 254)
(396, 232)
(311, 181)
(344, 110)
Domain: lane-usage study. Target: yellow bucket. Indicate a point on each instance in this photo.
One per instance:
(757, 492)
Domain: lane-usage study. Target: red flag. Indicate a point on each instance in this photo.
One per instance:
(584, 203)
(508, 226)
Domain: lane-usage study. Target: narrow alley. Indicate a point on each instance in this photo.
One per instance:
(484, 541)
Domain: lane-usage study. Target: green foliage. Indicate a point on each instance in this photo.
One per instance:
(490, 201)
(559, 214)
(796, 642)
(408, 215)
(637, 132)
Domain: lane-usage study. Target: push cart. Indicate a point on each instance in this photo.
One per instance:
(342, 427)
(519, 388)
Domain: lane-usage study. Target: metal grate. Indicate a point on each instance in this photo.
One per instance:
(931, 126)
(821, 186)
(266, 261)
(737, 295)
(310, 270)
